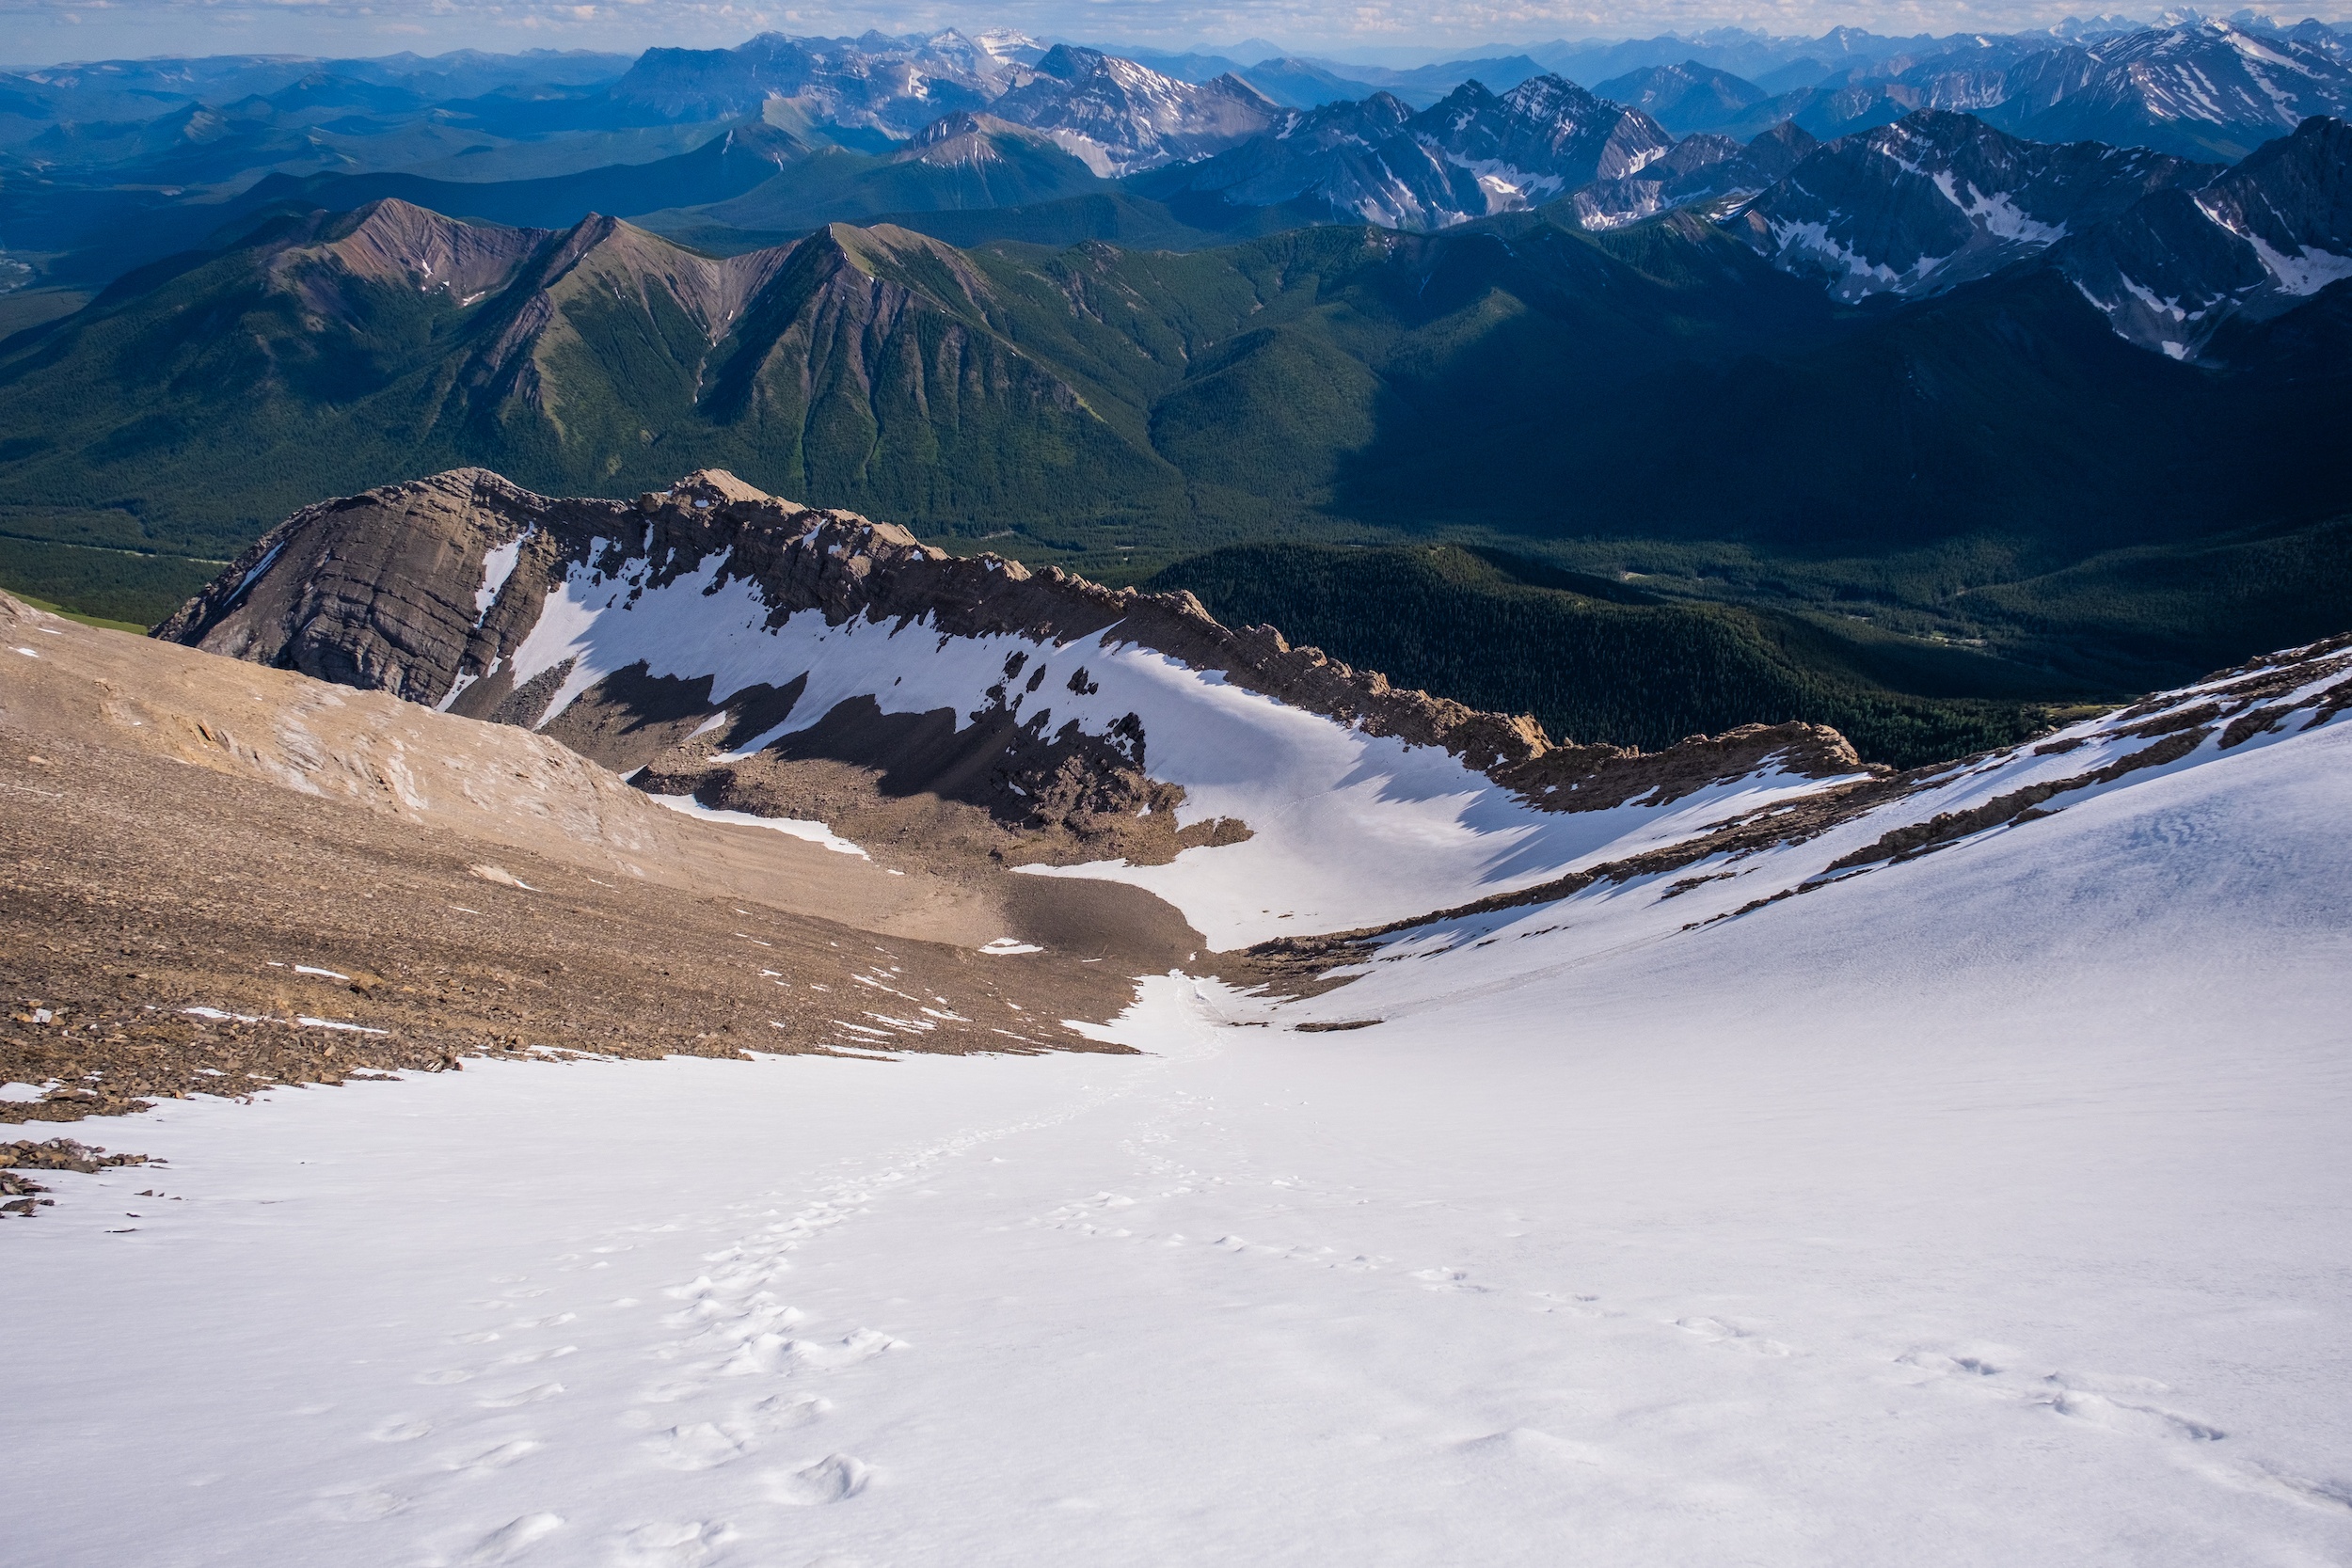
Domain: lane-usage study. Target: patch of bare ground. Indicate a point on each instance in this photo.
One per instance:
(208, 888)
(171, 932)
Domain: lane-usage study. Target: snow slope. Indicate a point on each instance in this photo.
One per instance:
(1987, 1205)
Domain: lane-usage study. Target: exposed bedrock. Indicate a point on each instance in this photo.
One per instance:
(427, 590)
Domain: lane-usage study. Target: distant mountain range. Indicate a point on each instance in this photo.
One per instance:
(1672, 396)
(1937, 199)
(109, 166)
(1122, 117)
(2170, 251)
(2047, 412)
(1470, 156)
(2207, 90)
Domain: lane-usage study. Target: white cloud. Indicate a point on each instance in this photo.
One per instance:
(46, 30)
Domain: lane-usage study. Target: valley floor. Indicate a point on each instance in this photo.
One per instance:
(1989, 1209)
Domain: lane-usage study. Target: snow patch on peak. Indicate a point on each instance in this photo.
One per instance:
(2306, 272)
(497, 564)
(1997, 213)
(1860, 274)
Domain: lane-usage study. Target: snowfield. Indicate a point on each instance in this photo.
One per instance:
(1986, 1207)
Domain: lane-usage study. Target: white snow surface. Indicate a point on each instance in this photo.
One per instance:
(1988, 1207)
(1998, 213)
(815, 832)
(1356, 832)
(252, 576)
(2307, 270)
(1862, 275)
(497, 566)
(1002, 947)
(1351, 830)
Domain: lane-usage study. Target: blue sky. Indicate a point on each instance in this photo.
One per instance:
(39, 31)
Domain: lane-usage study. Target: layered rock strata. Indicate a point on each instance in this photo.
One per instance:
(428, 590)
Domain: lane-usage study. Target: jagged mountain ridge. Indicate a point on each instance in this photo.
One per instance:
(1685, 98)
(2207, 90)
(1470, 155)
(431, 590)
(893, 85)
(1122, 117)
(873, 366)
(738, 160)
(2168, 250)
(106, 196)
(1128, 401)
(1937, 199)
(573, 336)
(710, 639)
(1699, 168)
(2255, 242)
(957, 162)
(1113, 113)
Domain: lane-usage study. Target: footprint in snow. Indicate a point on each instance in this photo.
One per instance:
(1716, 1332)
(733, 1325)
(361, 1505)
(2328, 1496)
(532, 1395)
(1976, 1368)
(671, 1546)
(779, 1411)
(497, 1458)
(833, 1478)
(1449, 1279)
(2144, 1420)
(511, 1540)
(773, 1353)
(702, 1446)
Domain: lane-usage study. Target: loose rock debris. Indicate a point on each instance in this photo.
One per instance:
(55, 1154)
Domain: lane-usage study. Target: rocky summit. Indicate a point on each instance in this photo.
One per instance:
(460, 593)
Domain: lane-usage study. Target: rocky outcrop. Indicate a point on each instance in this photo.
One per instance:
(1122, 117)
(1937, 200)
(427, 590)
(1473, 154)
(1698, 168)
(2255, 242)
